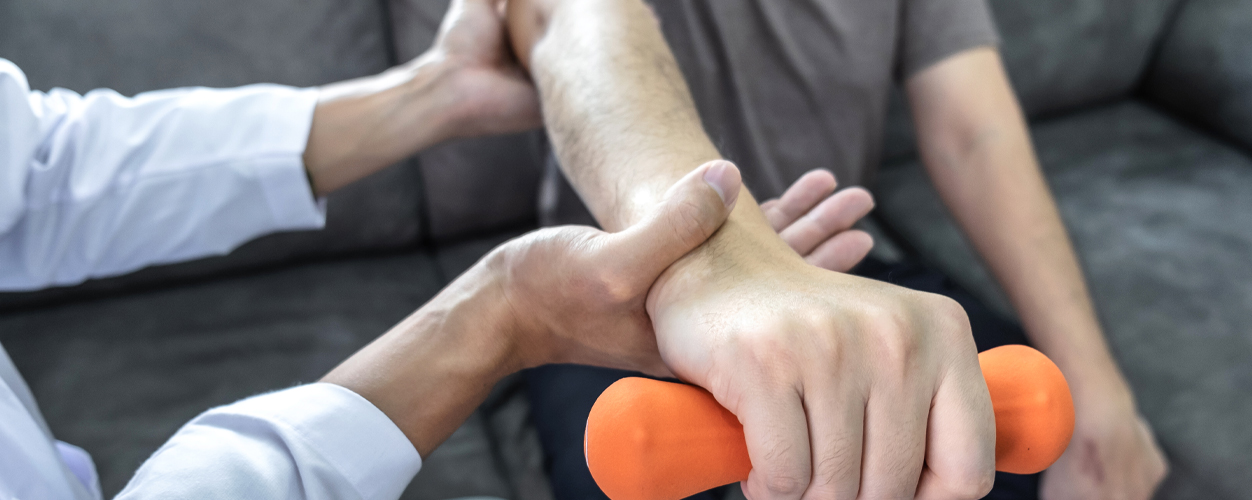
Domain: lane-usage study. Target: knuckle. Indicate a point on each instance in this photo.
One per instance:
(1162, 470)
(950, 315)
(765, 351)
(974, 484)
(611, 286)
(783, 484)
(895, 346)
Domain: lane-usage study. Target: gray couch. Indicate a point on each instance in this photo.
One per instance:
(1142, 113)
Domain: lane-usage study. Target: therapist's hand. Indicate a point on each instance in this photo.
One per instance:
(570, 294)
(1113, 454)
(493, 94)
(579, 292)
(466, 85)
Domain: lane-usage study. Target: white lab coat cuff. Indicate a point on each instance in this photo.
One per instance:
(286, 182)
(348, 431)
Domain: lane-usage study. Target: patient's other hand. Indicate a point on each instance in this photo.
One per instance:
(818, 225)
(578, 293)
(1113, 454)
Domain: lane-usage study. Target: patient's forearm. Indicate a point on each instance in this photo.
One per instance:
(618, 111)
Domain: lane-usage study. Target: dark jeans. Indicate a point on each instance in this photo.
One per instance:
(562, 395)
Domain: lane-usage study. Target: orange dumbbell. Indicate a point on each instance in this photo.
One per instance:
(653, 440)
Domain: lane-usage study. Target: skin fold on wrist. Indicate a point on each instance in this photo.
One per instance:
(744, 240)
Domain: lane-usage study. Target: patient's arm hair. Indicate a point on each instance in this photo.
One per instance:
(618, 111)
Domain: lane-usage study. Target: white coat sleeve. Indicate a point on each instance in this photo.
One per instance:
(100, 184)
(318, 441)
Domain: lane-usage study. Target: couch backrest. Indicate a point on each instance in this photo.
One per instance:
(1062, 55)
(1203, 72)
(137, 45)
(1066, 54)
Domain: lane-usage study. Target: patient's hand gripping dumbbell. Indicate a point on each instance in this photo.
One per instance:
(654, 440)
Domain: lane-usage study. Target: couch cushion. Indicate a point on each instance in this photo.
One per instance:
(1162, 218)
(1204, 69)
(137, 45)
(473, 186)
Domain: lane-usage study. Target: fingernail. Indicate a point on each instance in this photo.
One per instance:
(723, 177)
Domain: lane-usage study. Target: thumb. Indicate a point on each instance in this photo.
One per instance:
(692, 210)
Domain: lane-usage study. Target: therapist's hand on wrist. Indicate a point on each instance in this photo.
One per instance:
(578, 293)
(466, 85)
(571, 294)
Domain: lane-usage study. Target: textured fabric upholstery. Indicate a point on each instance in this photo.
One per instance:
(1161, 215)
(1061, 55)
(1204, 70)
(138, 45)
(1064, 54)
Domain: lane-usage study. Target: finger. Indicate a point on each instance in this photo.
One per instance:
(774, 425)
(1144, 469)
(836, 213)
(960, 441)
(895, 440)
(809, 190)
(836, 428)
(768, 205)
(1158, 467)
(692, 210)
(842, 252)
(1072, 475)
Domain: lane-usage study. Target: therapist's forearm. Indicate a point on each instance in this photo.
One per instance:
(429, 372)
(364, 125)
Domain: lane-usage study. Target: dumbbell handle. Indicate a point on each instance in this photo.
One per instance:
(654, 440)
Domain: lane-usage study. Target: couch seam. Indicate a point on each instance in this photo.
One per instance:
(1156, 46)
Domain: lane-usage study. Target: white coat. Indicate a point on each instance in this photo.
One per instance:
(98, 185)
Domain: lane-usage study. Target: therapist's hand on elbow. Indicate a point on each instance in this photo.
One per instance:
(466, 85)
(579, 292)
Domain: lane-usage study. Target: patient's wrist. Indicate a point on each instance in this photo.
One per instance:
(743, 244)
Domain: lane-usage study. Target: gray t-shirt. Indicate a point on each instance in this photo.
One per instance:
(787, 86)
